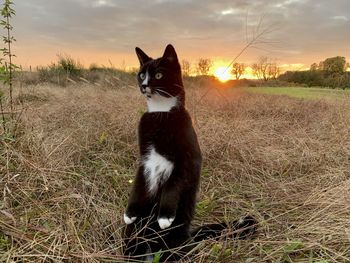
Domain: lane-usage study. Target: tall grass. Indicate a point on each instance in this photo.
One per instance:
(62, 71)
(283, 160)
(68, 71)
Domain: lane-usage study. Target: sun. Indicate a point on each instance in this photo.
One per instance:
(223, 74)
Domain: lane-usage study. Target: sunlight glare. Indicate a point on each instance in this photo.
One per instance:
(223, 74)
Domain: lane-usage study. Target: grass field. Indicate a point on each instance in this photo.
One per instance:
(307, 93)
(65, 178)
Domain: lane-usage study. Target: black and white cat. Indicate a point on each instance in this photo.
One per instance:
(162, 201)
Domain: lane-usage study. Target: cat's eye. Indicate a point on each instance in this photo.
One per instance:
(159, 75)
(142, 76)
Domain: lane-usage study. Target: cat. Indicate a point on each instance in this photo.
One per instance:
(162, 201)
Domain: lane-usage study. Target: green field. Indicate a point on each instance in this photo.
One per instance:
(299, 92)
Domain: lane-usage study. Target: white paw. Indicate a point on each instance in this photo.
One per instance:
(165, 222)
(129, 220)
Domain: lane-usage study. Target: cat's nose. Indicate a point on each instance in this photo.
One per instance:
(145, 88)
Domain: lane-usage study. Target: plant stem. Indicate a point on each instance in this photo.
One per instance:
(3, 116)
(10, 61)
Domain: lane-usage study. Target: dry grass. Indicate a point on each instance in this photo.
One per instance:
(65, 180)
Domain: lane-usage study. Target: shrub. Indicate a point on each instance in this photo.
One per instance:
(65, 69)
(69, 65)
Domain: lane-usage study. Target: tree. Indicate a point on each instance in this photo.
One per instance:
(321, 65)
(238, 70)
(203, 66)
(260, 69)
(256, 70)
(186, 67)
(266, 69)
(335, 65)
(273, 70)
(314, 67)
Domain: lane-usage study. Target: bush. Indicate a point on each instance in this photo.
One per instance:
(65, 69)
(69, 65)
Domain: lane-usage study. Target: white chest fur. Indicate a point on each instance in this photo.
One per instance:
(157, 169)
(159, 103)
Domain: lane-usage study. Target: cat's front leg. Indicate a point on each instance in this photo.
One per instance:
(134, 208)
(129, 218)
(137, 200)
(168, 205)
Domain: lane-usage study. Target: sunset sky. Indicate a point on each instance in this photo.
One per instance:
(303, 31)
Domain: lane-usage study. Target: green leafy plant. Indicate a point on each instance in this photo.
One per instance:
(157, 257)
(218, 252)
(7, 68)
(293, 249)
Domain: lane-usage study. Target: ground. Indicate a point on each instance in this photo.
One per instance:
(66, 175)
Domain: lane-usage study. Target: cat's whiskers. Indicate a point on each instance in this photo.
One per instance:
(177, 85)
(163, 91)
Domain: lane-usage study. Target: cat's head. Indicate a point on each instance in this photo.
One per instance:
(160, 80)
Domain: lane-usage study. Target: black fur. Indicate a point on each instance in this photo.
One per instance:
(240, 229)
(172, 136)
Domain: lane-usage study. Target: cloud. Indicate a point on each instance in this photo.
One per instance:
(101, 3)
(306, 29)
(341, 18)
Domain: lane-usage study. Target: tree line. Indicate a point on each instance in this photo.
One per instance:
(265, 68)
(332, 72)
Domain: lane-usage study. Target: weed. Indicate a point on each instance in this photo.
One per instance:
(7, 67)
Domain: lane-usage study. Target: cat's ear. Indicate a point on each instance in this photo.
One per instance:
(170, 53)
(143, 58)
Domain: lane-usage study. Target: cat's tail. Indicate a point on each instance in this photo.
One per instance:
(240, 229)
